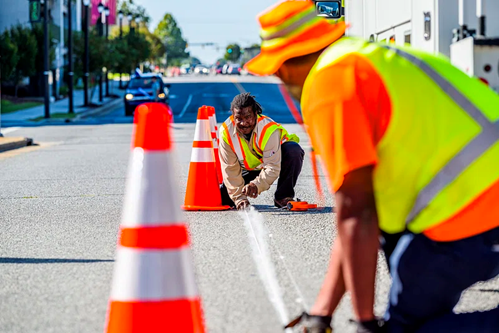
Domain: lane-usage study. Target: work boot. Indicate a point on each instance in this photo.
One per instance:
(312, 324)
(283, 203)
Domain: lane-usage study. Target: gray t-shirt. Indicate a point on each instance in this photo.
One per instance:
(155, 89)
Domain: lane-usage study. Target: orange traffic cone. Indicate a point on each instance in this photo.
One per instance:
(203, 192)
(214, 136)
(153, 287)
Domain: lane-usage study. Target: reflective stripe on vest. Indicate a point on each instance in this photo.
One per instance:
(441, 148)
(473, 150)
(264, 129)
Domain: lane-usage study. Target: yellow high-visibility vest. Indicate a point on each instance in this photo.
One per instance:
(440, 150)
(253, 159)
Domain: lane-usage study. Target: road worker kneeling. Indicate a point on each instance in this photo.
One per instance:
(254, 152)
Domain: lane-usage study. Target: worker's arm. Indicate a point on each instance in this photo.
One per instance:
(358, 234)
(344, 125)
(231, 172)
(271, 163)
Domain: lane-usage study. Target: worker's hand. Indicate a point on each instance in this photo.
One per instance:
(250, 190)
(373, 326)
(243, 205)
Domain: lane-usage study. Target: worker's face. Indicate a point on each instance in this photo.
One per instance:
(245, 119)
(294, 72)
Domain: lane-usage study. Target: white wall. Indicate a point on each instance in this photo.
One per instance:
(419, 7)
(354, 15)
(391, 13)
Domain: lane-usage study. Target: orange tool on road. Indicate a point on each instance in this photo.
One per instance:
(300, 206)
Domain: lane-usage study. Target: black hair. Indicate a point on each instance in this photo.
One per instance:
(244, 100)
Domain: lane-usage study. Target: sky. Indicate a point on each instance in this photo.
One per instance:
(211, 21)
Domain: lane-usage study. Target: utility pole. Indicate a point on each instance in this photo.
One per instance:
(86, 60)
(107, 12)
(120, 16)
(70, 56)
(100, 9)
(46, 57)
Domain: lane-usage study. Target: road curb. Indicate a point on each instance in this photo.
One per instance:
(98, 110)
(14, 143)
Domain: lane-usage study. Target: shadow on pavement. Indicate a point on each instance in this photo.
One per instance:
(281, 211)
(320, 210)
(487, 290)
(50, 261)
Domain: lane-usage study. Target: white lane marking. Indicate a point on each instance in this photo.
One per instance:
(186, 106)
(257, 233)
(9, 130)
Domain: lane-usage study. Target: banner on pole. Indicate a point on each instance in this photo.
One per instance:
(112, 4)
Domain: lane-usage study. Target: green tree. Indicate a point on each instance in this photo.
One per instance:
(129, 6)
(139, 49)
(232, 52)
(250, 53)
(157, 47)
(9, 57)
(169, 32)
(36, 81)
(26, 52)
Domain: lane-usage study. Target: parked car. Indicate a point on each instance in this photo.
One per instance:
(139, 91)
(225, 68)
(218, 69)
(234, 70)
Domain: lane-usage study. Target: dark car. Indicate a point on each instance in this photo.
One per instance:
(234, 70)
(139, 91)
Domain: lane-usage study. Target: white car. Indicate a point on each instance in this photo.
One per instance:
(201, 70)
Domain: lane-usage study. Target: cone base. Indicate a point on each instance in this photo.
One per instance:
(201, 208)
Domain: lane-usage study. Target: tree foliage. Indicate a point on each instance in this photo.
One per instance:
(37, 31)
(26, 53)
(129, 6)
(171, 35)
(232, 52)
(10, 57)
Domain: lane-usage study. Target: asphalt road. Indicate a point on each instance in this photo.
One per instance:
(60, 207)
(189, 93)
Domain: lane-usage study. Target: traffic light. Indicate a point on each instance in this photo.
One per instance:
(35, 12)
(229, 51)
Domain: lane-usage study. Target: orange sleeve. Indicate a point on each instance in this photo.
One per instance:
(343, 122)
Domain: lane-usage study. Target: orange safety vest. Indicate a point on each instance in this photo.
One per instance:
(252, 159)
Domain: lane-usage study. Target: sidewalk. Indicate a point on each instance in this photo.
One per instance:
(62, 106)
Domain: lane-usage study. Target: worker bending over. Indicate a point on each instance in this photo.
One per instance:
(254, 151)
(410, 145)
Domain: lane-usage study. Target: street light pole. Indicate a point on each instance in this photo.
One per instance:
(86, 60)
(107, 12)
(46, 57)
(100, 9)
(120, 16)
(70, 56)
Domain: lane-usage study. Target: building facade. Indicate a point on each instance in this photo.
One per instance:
(17, 12)
(426, 24)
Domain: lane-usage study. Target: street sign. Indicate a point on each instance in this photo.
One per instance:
(35, 12)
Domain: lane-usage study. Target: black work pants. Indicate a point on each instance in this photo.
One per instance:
(429, 278)
(291, 163)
